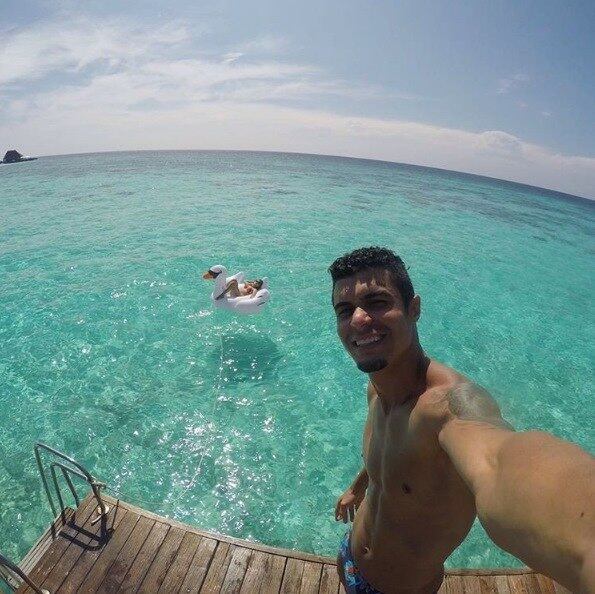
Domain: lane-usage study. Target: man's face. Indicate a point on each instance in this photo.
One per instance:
(372, 322)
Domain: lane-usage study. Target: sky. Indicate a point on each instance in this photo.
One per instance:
(504, 89)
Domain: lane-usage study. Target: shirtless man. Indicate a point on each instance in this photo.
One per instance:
(437, 453)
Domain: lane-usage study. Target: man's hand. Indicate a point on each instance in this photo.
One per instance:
(347, 505)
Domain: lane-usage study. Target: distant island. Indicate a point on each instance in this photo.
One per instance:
(15, 157)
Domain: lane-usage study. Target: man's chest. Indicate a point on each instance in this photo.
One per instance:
(403, 455)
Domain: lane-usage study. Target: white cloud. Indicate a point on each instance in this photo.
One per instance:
(46, 48)
(232, 57)
(500, 144)
(505, 85)
(203, 73)
(150, 90)
(267, 44)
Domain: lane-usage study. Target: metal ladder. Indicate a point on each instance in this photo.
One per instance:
(11, 573)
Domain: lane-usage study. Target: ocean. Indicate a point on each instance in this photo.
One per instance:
(251, 426)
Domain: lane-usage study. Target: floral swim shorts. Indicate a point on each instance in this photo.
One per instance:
(352, 578)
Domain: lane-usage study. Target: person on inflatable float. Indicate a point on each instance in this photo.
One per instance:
(235, 294)
(250, 288)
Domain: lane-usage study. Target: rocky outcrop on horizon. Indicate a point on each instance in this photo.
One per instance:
(14, 156)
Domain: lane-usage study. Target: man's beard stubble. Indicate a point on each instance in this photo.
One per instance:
(372, 365)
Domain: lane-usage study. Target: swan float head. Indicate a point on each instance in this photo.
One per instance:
(214, 271)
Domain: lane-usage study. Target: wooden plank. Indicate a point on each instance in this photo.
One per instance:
(140, 566)
(86, 550)
(37, 551)
(155, 554)
(126, 557)
(201, 564)
(545, 584)
(311, 578)
(255, 572)
(560, 589)
(92, 565)
(292, 578)
(532, 583)
(442, 589)
(255, 546)
(487, 584)
(454, 584)
(217, 569)
(67, 535)
(329, 579)
(517, 584)
(81, 556)
(162, 562)
(179, 568)
(501, 582)
(8, 579)
(236, 571)
(471, 584)
(274, 574)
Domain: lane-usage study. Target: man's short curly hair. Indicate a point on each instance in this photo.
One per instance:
(374, 257)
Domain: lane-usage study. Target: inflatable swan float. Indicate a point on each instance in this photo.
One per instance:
(246, 304)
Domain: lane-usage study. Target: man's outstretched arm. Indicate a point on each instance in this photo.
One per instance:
(534, 493)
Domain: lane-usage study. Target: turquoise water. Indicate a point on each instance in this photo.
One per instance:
(251, 426)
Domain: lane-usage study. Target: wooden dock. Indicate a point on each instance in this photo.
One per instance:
(136, 551)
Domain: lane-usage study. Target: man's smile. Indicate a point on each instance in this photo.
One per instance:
(368, 339)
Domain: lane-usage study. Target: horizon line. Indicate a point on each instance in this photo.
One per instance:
(558, 193)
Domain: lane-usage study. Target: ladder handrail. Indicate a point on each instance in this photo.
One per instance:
(67, 466)
(15, 569)
(74, 468)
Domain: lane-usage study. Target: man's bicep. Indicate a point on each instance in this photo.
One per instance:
(473, 433)
(470, 402)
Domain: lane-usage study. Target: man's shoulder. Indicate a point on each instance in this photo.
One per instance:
(440, 377)
(450, 394)
(440, 381)
(469, 401)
